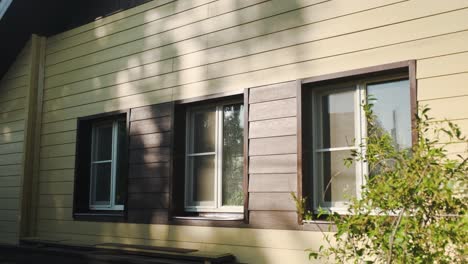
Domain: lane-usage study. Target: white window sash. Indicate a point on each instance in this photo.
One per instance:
(114, 154)
(360, 132)
(216, 205)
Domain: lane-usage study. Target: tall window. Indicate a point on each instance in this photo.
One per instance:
(339, 126)
(107, 188)
(214, 158)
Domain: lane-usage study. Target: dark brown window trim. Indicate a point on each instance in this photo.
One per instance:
(384, 69)
(245, 182)
(176, 217)
(98, 215)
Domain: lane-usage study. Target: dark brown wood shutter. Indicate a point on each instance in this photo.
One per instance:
(150, 162)
(272, 155)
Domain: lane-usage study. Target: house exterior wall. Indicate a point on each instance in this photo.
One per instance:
(166, 50)
(13, 101)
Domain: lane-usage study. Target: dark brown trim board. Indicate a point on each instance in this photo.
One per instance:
(151, 129)
(300, 145)
(363, 72)
(220, 96)
(414, 98)
(246, 156)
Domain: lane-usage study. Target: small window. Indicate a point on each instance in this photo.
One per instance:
(106, 183)
(339, 127)
(214, 158)
(101, 166)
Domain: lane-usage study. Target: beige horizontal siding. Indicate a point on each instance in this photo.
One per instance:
(272, 41)
(145, 58)
(224, 83)
(170, 50)
(8, 215)
(248, 254)
(65, 175)
(13, 87)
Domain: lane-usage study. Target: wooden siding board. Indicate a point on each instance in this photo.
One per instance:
(59, 138)
(148, 170)
(272, 92)
(10, 170)
(56, 201)
(273, 127)
(273, 109)
(13, 105)
(272, 183)
(58, 150)
(272, 146)
(8, 215)
(148, 185)
(452, 85)
(147, 126)
(273, 219)
(65, 175)
(12, 137)
(150, 140)
(152, 111)
(148, 201)
(271, 202)
(150, 155)
(443, 65)
(10, 181)
(11, 148)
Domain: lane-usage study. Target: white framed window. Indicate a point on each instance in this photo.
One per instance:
(214, 158)
(339, 127)
(107, 185)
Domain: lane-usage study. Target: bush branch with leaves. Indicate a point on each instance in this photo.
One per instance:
(413, 206)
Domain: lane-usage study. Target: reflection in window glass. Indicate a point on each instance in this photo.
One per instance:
(203, 178)
(103, 141)
(339, 181)
(393, 110)
(204, 131)
(233, 158)
(338, 119)
(121, 186)
(101, 183)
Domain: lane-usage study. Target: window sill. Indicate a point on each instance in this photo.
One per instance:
(100, 216)
(234, 221)
(212, 218)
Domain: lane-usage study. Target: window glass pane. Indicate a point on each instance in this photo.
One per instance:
(103, 143)
(203, 173)
(233, 158)
(120, 181)
(204, 130)
(338, 181)
(337, 117)
(393, 110)
(101, 183)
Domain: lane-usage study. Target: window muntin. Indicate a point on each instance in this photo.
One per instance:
(107, 186)
(340, 127)
(214, 158)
